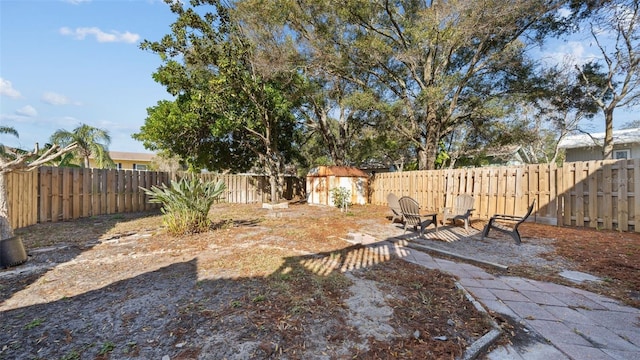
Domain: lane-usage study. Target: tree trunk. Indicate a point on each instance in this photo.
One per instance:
(6, 231)
(607, 148)
(273, 163)
(428, 152)
(422, 159)
(273, 182)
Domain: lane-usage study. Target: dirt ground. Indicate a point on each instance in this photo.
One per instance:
(268, 284)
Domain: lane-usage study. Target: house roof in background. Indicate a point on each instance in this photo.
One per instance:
(627, 136)
(132, 156)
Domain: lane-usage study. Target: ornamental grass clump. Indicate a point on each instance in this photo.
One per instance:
(186, 203)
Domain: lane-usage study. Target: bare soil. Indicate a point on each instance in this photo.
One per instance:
(268, 284)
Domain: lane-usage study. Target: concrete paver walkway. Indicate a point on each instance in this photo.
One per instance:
(564, 322)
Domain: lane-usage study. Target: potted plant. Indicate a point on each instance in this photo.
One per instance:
(12, 252)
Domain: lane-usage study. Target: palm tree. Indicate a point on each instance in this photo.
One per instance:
(90, 140)
(8, 130)
(11, 131)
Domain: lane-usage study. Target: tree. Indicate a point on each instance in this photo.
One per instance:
(20, 160)
(90, 142)
(613, 81)
(428, 66)
(553, 113)
(172, 127)
(337, 115)
(7, 130)
(225, 100)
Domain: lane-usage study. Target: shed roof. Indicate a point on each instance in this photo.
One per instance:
(341, 171)
(627, 136)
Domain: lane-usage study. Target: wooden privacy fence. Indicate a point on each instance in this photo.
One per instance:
(51, 194)
(596, 194)
(22, 198)
(252, 188)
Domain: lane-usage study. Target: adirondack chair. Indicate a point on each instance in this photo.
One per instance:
(511, 227)
(394, 205)
(412, 217)
(461, 210)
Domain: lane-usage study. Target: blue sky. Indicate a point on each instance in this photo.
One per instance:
(63, 63)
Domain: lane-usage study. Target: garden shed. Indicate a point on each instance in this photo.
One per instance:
(323, 179)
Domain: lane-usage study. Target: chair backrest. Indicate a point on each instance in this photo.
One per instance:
(463, 203)
(392, 200)
(410, 210)
(529, 211)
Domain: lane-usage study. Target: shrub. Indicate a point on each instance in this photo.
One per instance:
(186, 203)
(341, 197)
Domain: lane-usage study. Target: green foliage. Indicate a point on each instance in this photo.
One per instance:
(231, 111)
(106, 348)
(442, 155)
(9, 130)
(424, 69)
(186, 203)
(92, 142)
(72, 355)
(34, 323)
(341, 197)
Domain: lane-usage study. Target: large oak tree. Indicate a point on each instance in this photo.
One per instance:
(229, 111)
(429, 66)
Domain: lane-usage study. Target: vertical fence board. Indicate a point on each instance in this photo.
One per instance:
(592, 197)
(579, 193)
(95, 192)
(127, 191)
(636, 195)
(11, 191)
(622, 215)
(119, 191)
(55, 195)
(65, 193)
(86, 192)
(607, 201)
(135, 197)
(45, 193)
(75, 193)
(568, 178)
(34, 197)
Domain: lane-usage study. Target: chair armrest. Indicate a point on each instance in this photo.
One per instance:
(506, 217)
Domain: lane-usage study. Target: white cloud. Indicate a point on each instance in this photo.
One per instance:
(28, 111)
(14, 118)
(101, 36)
(53, 98)
(572, 52)
(6, 89)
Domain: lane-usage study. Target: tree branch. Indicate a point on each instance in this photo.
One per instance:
(20, 162)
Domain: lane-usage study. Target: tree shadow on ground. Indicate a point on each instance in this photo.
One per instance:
(72, 238)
